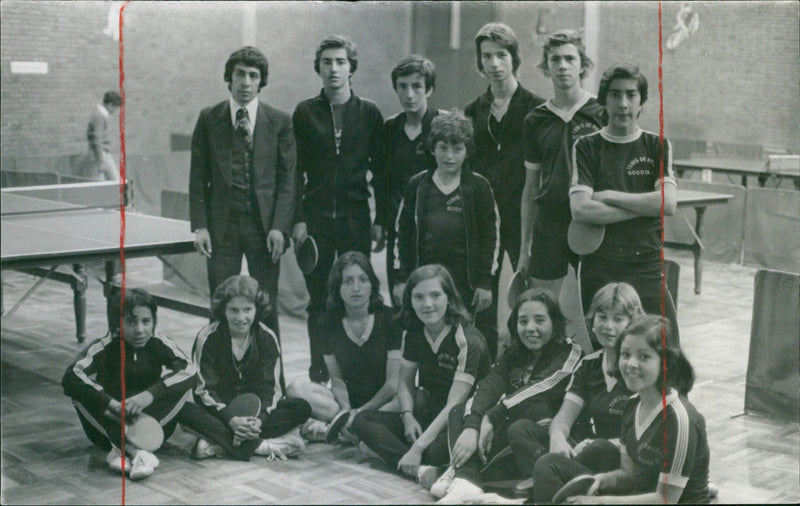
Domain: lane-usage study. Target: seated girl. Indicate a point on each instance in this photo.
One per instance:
(450, 355)
(595, 398)
(238, 354)
(664, 455)
(524, 387)
(361, 349)
(93, 381)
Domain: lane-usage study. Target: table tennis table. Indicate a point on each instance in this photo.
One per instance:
(44, 227)
(698, 200)
(744, 167)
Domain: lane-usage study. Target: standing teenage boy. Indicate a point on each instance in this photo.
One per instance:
(549, 132)
(339, 139)
(241, 182)
(406, 134)
(497, 118)
(623, 179)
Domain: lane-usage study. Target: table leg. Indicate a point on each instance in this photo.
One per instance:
(698, 251)
(111, 287)
(80, 282)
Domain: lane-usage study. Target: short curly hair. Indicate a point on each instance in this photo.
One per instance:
(452, 127)
(250, 57)
(239, 286)
(336, 42)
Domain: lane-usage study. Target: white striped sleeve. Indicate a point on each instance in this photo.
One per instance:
(84, 365)
(201, 390)
(547, 383)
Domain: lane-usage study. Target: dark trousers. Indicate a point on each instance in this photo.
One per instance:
(334, 237)
(288, 414)
(499, 464)
(595, 274)
(383, 433)
(244, 235)
(106, 432)
(505, 453)
(554, 470)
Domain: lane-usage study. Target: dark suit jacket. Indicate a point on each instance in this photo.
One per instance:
(274, 163)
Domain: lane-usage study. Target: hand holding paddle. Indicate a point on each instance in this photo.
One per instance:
(244, 423)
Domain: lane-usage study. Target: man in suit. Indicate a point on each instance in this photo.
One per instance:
(242, 179)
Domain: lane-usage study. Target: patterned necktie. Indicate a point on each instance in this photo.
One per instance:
(243, 125)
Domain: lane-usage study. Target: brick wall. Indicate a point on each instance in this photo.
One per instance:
(736, 80)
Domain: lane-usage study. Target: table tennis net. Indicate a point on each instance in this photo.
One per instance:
(62, 197)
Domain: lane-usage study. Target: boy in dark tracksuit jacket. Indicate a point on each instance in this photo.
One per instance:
(449, 217)
(527, 383)
(339, 139)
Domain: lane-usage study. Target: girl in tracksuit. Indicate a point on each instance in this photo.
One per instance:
(526, 385)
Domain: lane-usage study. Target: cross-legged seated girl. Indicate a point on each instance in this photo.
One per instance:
(238, 354)
(451, 356)
(93, 381)
(361, 348)
(590, 416)
(664, 455)
(526, 384)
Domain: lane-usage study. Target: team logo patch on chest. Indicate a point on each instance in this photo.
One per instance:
(640, 166)
(447, 361)
(453, 204)
(583, 128)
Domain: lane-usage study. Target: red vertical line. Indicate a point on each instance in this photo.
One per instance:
(122, 199)
(662, 154)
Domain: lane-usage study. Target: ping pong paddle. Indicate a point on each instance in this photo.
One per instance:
(578, 485)
(244, 405)
(584, 238)
(142, 431)
(307, 255)
(519, 283)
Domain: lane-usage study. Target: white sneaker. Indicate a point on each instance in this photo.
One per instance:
(461, 491)
(427, 476)
(140, 467)
(440, 488)
(314, 430)
(205, 450)
(148, 458)
(114, 460)
(282, 447)
(492, 498)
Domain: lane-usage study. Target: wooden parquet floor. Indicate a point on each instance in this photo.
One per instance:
(46, 458)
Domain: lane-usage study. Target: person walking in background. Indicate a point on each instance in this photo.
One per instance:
(339, 139)
(241, 182)
(102, 165)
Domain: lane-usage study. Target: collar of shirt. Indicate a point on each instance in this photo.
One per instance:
(252, 108)
(103, 110)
